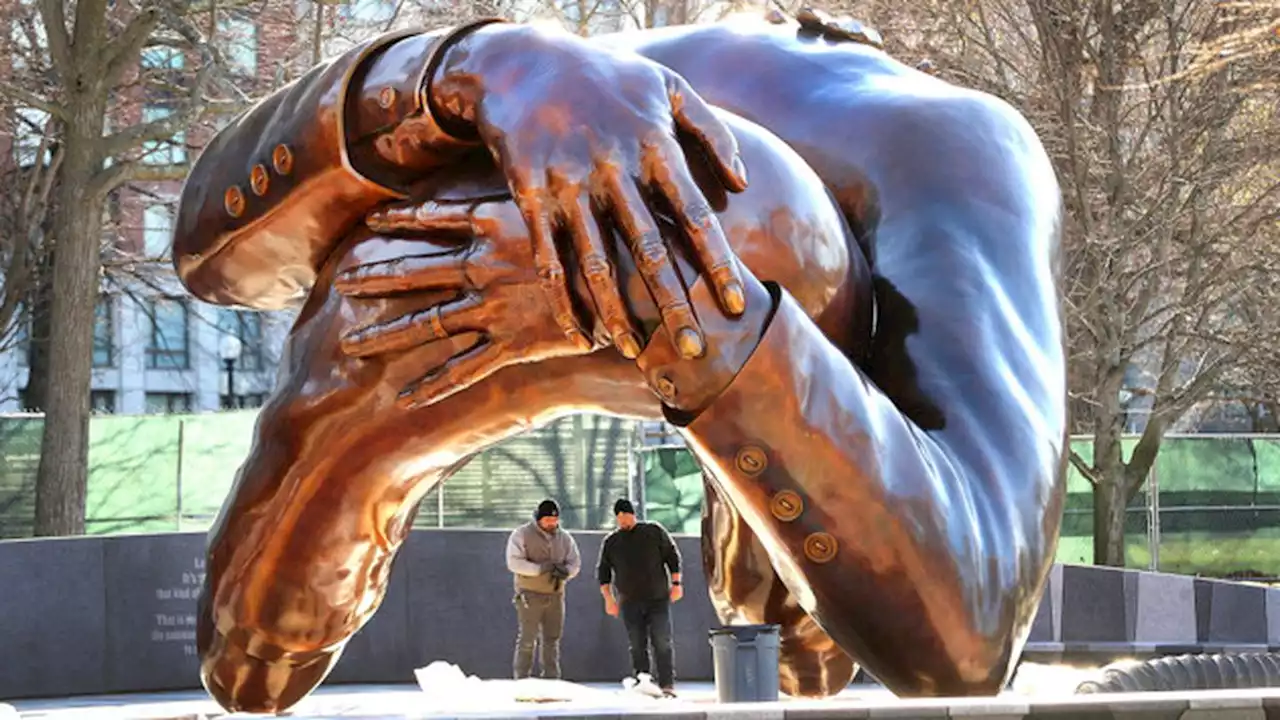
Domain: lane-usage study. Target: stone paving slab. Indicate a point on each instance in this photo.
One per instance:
(405, 703)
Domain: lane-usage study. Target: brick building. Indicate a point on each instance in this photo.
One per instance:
(156, 349)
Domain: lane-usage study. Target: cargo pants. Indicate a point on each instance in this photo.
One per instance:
(538, 616)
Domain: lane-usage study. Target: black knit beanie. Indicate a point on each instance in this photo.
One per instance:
(624, 506)
(547, 508)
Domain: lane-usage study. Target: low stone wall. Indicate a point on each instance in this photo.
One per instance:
(1105, 612)
(117, 614)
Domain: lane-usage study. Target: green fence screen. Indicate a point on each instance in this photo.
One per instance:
(1215, 499)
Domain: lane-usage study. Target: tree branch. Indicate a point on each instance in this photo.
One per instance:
(30, 99)
(55, 28)
(127, 172)
(1080, 464)
(127, 49)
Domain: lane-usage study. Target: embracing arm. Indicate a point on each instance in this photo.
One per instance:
(919, 541)
(274, 191)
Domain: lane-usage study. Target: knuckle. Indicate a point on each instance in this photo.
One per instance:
(651, 251)
(596, 267)
(676, 311)
(551, 274)
(722, 270)
(700, 216)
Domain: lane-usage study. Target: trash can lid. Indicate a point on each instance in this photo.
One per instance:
(745, 633)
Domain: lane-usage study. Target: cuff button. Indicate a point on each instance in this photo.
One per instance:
(751, 460)
(786, 506)
(233, 201)
(820, 547)
(666, 388)
(258, 180)
(387, 98)
(282, 159)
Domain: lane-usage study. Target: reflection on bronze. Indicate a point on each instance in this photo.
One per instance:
(728, 282)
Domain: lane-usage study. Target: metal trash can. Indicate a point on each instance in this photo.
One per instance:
(745, 658)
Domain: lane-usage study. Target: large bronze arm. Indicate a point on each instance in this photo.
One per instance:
(910, 505)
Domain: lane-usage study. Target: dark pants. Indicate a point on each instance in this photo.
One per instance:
(650, 621)
(538, 615)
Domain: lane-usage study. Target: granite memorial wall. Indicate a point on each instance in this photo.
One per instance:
(117, 614)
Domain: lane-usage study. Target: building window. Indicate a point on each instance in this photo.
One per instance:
(163, 152)
(368, 11)
(104, 333)
(243, 402)
(102, 402)
(240, 44)
(167, 403)
(247, 327)
(157, 231)
(28, 132)
(29, 41)
(169, 347)
(162, 57)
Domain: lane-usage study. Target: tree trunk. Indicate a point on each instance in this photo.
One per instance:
(1109, 505)
(41, 301)
(62, 479)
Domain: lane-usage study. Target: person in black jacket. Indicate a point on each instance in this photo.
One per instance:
(639, 562)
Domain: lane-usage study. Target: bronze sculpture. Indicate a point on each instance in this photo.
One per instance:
(860, 339)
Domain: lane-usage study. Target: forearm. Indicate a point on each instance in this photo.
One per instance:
(885, 539)
(517, 562)
(281, 185)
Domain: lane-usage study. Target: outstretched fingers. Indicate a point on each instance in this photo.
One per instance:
(694, 116)
(707, 238)
(410, 273)
(656, 266)
(600, 276)
(546, 261)
(421, 217)
(414, 329)
(457, 374)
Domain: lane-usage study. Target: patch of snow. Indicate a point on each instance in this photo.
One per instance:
(447, 687)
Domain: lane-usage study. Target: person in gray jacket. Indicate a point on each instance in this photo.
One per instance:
(543, 557)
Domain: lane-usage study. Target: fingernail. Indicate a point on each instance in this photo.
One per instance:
(734, 298)
(689, 343)
(629, 345)
(740, 169)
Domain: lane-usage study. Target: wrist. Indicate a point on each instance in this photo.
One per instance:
(688, 386)
(488, 60)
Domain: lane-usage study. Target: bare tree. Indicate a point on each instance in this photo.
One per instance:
(1167, 154)
(117, 86)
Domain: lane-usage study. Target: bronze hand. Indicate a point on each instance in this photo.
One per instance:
(587, 136)
(492, 284)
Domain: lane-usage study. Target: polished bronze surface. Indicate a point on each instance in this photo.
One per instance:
(736, 273)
